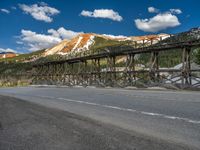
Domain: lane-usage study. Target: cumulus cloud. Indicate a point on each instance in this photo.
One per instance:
(153, 10)
(5, 11)
(160, 21)
(7, 50)
(34, 41)
(43, 4)
(103, 13)
(63, 33)
(86, 13)
(175, 11)
(157, 23)
(40, 11)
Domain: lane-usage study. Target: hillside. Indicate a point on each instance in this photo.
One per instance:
(191, 35)
(82, 43)
(175, 56)
(92, 42)
(29, 57)
(4, 55)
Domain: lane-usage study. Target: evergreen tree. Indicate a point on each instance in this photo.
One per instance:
(197, 56)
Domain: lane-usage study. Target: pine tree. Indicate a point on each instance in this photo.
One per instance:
(197, 56)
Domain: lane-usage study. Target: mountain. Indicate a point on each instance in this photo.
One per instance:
(56, 49)
(92, 41)
(191, 35)
(7, 55)
(29, 57)
(81, 43)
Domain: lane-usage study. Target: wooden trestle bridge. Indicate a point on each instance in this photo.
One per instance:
(86, 69)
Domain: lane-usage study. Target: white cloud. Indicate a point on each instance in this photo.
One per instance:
(43, 4)
(158, 22)
(13, 7)
(103, 13)
(63, 33)
(86, 13)
(5, 11)
(54, 33)
(19, 42)
(2, 50)
(34, 41)
(40, 11)
(153, 10)
(175, 11)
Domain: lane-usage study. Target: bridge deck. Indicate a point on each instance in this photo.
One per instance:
(117, 51)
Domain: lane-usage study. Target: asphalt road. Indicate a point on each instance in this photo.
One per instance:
(170, 116)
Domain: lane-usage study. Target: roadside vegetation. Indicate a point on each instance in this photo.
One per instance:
(196, 56)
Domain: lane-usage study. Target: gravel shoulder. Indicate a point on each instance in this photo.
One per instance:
(28, 126)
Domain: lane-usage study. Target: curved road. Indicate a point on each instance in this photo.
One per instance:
(173, 116)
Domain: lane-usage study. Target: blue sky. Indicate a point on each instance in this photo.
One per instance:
(28, 25)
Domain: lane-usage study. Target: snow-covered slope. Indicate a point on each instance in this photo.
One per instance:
(80, 43)
(56, 48)
(149, 38)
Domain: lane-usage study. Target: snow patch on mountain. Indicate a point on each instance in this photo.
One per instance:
(78, 42)
(115, 36)
(56, 49)
(88, 44)
(79, 48)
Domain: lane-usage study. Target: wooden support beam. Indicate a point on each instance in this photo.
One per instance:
(186, 67)
(80, 71)
(153, 67)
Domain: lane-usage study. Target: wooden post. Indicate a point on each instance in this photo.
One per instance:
(154, 67)
(186, 67)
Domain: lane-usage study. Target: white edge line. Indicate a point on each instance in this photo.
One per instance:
(132, 110)
(120, 108)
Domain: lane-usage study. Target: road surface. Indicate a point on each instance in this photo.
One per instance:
(171, 116)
